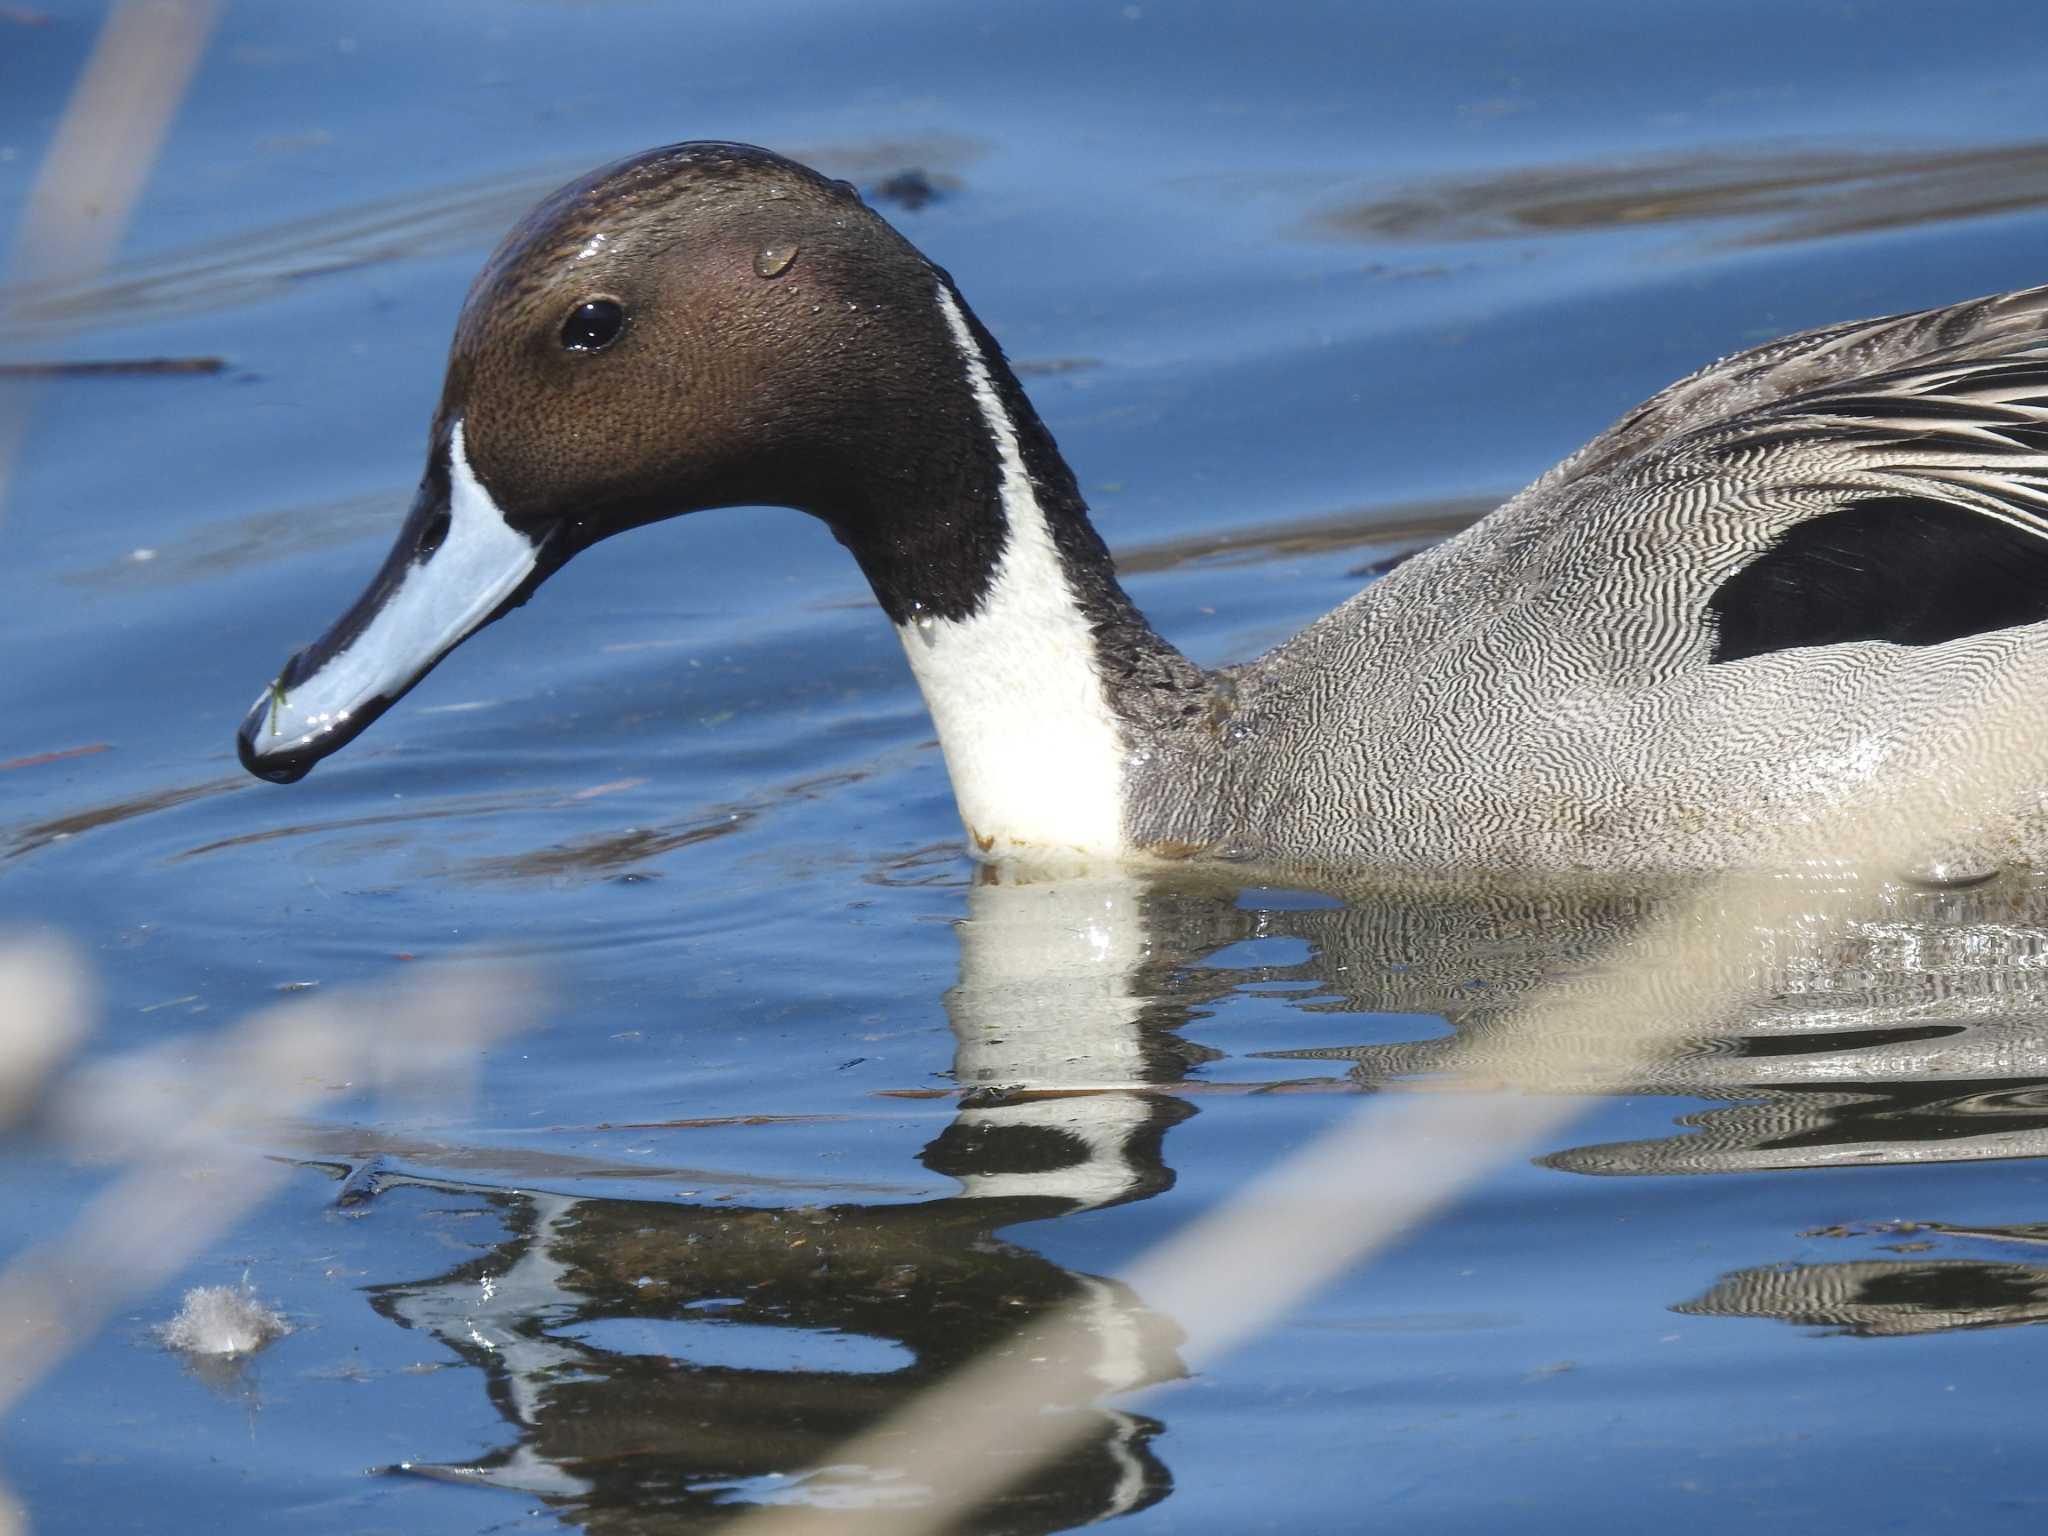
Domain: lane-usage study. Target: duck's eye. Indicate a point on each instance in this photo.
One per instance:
(593, 325)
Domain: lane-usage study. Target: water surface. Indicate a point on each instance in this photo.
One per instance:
(812, 1117)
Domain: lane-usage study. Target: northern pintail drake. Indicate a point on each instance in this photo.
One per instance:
(1783, 574)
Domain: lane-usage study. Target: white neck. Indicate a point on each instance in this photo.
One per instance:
(1033, 749)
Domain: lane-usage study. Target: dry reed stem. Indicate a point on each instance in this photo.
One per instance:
(180, 1116)
(44, 991)
(97, 164)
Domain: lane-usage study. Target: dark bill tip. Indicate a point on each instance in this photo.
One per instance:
(286, 768)
(458, 565)
(265, 752)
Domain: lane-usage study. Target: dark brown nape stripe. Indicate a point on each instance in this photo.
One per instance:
(1902, 569)
(916, 489)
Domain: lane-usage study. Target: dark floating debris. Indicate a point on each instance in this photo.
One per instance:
(1373, 569)
(121, 366)
(1052, 367)
(62, 754)
(362, 1184)
(910, 190)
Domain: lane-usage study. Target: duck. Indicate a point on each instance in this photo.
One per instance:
(1798, 568)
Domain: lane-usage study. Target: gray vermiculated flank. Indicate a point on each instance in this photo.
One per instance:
(1538, 693)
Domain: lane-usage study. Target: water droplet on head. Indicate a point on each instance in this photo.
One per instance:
(774, 258)
(925, 625)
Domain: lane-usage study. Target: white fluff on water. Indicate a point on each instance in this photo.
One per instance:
(222, 1320)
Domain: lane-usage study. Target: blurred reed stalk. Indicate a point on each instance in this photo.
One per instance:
(97, 164)
(184, 1117)
(1239, 1269)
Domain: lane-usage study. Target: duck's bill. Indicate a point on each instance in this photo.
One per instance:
(457, 565)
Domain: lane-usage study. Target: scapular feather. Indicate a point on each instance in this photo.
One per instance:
(1903, 569)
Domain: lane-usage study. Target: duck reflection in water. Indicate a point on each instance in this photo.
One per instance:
(663, 1363)
(1887, 1298)
(1917, 1034)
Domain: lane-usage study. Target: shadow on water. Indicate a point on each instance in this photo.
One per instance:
(660, 1363)
(35, 835)
(251, 264)
(246, 266)
(1782, 194)
(206, 551)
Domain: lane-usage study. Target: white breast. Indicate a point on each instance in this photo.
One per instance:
(1035, 754)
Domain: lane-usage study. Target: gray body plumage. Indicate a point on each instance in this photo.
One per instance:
(1553, 690)
(1538, 692)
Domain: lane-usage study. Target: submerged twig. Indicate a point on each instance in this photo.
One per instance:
(119, 366)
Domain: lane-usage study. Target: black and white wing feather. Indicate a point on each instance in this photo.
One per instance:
(1885, 481)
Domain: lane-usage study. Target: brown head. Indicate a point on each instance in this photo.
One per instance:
(699, 326)
(703, 325)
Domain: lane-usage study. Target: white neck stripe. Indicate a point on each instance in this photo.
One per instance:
(1035, 754)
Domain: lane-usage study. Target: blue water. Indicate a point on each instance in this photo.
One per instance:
(1310, 281)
